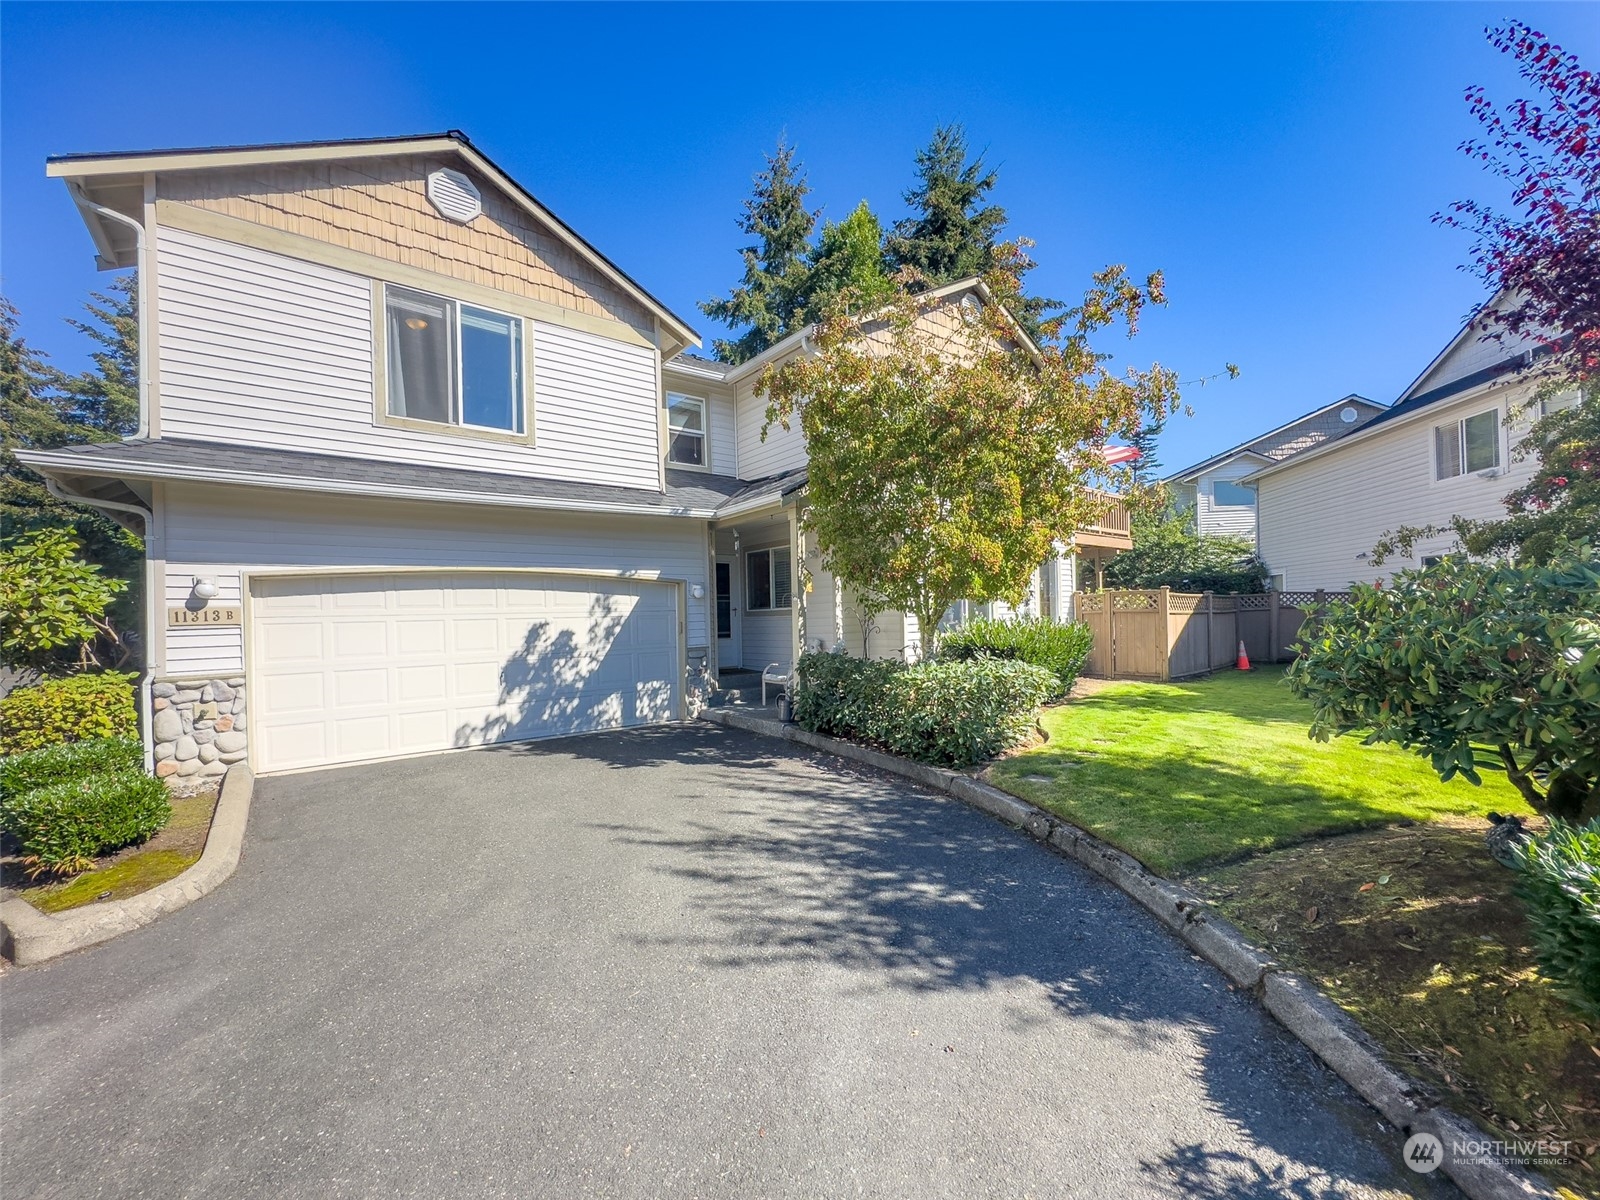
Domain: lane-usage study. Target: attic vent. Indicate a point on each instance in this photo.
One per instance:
(453, 194)
(1347, 414)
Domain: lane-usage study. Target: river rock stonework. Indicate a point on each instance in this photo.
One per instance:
(198, 727)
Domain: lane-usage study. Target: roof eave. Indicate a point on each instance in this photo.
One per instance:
(64, 466)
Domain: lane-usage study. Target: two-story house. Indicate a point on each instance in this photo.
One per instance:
(418, 468)
(1214, 490)
(1443, 449)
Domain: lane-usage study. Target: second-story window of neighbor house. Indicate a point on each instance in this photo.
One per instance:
(686, 432)
(452, 363)
(1226, 494)
(1463, 447)
(767, 573)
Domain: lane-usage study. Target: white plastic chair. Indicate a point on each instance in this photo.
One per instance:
(775, 673)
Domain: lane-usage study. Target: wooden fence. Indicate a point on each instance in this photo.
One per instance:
(1161, 634)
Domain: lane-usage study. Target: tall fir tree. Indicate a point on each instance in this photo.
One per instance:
(953, 229)
(105, 398)
(1147, 467)
(770, 301)
(848, 258)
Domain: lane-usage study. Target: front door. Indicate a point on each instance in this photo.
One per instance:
(728, 653)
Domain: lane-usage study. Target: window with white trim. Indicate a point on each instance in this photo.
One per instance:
(452, 363)
(1560, 401)
(767, 579)
(1465, 446)
(686, 430)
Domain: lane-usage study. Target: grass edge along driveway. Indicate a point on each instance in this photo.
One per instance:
(1187, 774)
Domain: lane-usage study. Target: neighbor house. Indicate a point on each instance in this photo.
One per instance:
(419, 468)
(1444, 449)
(1214, 490)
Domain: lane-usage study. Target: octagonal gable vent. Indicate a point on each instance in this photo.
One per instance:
(453, 194)
(1348, 415)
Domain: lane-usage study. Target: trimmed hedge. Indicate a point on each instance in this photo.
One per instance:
(1058, 646)
(65, 826)
(951, 714)
(71, 760)
(1559, 882)
(75, 709)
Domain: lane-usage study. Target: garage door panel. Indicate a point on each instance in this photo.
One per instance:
(292, 641)
(379, 665)
(360, 639)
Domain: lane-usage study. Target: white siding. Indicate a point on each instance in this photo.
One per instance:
(1318, 514)
(783, 450)
(266, 350)
(768, 638)
(1214, 519)
(722, 435)
(217, 532)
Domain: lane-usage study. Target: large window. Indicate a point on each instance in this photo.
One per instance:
(452, 363)
(766, 574)
(1226, 494)
(1462, 447)
(686, 432)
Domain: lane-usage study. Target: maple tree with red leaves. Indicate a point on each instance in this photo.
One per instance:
(1545, 256)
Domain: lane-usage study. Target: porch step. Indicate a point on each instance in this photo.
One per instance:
(749, 697)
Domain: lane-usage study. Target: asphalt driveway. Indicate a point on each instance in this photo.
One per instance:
(671, 963)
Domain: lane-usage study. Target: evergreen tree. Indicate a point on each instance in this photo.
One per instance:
(1147, 467)
(770, 301)
(106, 398)
(953, 230)
(41, 408)
(848, 257)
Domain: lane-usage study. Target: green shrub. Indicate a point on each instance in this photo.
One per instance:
(63, 827)
(1559, 882)
(1466, 654)
(75, 709)
(67, 761)
(1058, 646)
(949, 713)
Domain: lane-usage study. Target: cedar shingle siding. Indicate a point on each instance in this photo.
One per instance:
(380, 207)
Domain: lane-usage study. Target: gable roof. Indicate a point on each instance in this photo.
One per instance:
(733, 372)
(81, 170)
(1247, 447)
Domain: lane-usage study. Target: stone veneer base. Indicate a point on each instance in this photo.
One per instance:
(197, 728)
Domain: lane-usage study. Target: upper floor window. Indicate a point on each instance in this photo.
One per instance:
(686, 430)
(452, 363)
(1561, 400)
(766, 575)
(1462, 447)
(1227, 494)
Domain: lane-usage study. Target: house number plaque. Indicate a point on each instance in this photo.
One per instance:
(212, 614)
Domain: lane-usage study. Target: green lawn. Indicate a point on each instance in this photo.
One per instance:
(1185, 774)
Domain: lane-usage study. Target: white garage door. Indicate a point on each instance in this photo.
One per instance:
(355, 667)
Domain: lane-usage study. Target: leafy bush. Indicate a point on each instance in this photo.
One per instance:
(1559, 882)
(63, 827)
(1058, 646)
(1470, 653)
(75, 709)
(1168, 552)
(52, 601)
(949, 713)
(70, 760)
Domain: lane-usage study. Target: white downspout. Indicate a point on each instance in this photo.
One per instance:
(140, 432)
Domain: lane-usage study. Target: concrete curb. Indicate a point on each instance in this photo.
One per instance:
(28, 936)
(1292, 1000)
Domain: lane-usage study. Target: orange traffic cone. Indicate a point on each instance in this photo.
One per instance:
(1244, 659)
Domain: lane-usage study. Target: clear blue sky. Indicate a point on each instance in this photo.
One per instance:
(1279, 163)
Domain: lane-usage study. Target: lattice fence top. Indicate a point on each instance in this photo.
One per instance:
(1091, 602)
(1308, 599)
(1183, 602)
(1247, 602)
(1135, 601)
